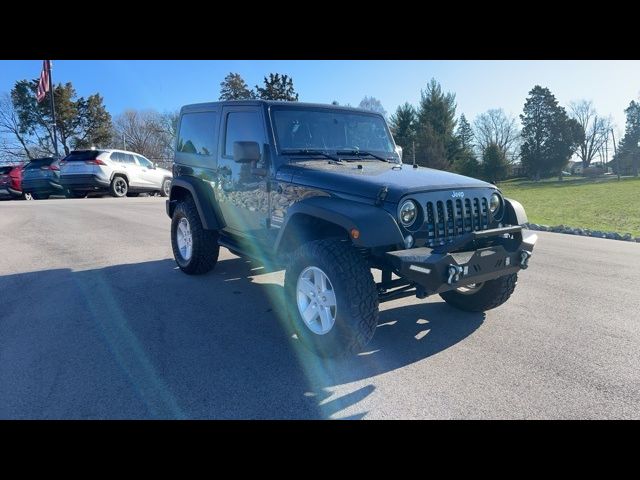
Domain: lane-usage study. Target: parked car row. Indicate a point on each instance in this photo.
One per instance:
(117, 172)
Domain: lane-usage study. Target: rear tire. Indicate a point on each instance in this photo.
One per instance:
(491, 294)
(119, 187)
(344, 306)
(166, 188)
(195, 249)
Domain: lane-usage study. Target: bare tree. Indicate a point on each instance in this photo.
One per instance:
(595, 128)
(373, 104)
(14, 144)
(494, 127)
(146, 132)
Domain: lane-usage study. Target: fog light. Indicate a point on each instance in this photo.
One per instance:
(408, 241)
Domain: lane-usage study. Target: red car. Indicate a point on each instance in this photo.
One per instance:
(10, 179)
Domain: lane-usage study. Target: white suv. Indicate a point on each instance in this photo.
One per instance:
(119, 172)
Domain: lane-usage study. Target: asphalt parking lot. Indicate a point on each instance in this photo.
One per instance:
(97, 322)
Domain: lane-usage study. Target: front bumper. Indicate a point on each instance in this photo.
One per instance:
(84, 182)
(495, 253)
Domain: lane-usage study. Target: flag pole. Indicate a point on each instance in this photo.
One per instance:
(53, 110)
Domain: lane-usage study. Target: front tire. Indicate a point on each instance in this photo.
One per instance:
(119, 187)
(332, 298)
(488, 295)
(194, 248)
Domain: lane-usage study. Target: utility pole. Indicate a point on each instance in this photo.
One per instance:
(413, 147)
(53, 110)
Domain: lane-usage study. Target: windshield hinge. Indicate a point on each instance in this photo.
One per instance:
(382, 195)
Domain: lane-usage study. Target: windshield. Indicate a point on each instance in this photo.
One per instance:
(331, 130)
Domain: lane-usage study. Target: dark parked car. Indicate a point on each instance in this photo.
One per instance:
(10, 176)
(321, 190)
(41, 178)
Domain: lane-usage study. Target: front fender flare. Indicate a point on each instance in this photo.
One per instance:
(376, 226)
(514, 214)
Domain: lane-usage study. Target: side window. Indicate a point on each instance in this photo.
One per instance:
(243, 127)
(127, 158)
(143, 162)
(116, 157)
(197, 133)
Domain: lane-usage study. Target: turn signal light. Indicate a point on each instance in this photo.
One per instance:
(355, 233)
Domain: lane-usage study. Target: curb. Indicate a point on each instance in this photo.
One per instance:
(584, 232)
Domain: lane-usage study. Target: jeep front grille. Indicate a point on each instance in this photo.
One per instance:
(446, 220)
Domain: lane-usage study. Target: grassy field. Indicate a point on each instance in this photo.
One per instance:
(597, 204)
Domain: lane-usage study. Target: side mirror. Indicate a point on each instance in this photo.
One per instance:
(246, 152)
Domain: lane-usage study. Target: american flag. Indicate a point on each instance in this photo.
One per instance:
(43, 84)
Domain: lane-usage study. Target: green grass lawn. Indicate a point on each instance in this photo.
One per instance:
(598, 204)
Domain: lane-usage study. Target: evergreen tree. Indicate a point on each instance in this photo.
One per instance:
(465, 134)
(403, 127)
(233, 87)
(628, 154)
(277, 87)
(549, 136)
(495, 166)
(436, 143)
(81, 122)
(466, 162)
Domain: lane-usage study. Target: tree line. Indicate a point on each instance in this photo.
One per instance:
(430, 132)
(549, 137)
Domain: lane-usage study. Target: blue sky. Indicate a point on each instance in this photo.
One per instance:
(478, 85)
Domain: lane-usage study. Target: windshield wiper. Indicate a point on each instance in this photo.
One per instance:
(357, 152)
(306, 151)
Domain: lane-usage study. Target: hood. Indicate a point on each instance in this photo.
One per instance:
(367, 181)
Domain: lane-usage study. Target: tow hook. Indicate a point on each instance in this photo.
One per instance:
(524, 259)
(454, 274)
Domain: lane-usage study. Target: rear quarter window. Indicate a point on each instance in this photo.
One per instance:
(198, 133)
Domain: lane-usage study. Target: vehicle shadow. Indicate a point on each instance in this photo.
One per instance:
(146, 341)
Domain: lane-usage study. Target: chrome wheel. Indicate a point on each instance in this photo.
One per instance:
(28, 196)
(120, 186)
(470, 289)
(316, 300)
(166, 187)
(184, 239)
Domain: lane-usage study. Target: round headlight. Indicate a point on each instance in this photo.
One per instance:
(408, 213)
(494, 203)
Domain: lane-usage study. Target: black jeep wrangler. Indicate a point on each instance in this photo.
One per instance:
(322, 191)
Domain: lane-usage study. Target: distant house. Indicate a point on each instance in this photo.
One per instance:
(575, 168)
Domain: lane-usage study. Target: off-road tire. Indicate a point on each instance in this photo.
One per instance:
(112, 188)
(355, 291)
(492, 294)
(205, 242)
